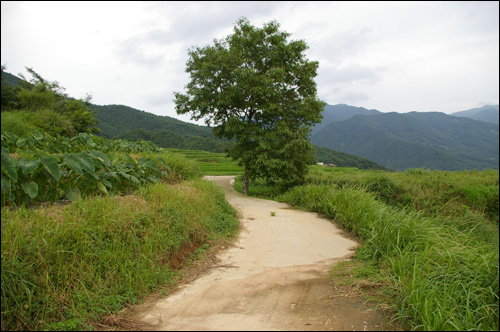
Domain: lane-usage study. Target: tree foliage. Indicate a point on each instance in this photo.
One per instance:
(257, 88)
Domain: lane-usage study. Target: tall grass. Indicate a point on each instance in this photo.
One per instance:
(447, 278)
(434, 193)
(64, 267)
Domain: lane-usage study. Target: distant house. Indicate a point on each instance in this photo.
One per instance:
(327, 165)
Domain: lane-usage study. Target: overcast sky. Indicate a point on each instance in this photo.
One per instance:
(390, 56)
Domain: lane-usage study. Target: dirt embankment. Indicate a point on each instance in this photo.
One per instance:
(275, 277)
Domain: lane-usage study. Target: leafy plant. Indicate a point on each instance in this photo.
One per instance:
(41, 167)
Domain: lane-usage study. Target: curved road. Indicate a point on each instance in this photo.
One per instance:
(276, 277)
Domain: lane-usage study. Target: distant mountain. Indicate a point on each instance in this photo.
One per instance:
(115, 120)
(488, 113)
(119, 121)
(413, 140)
(341, 112)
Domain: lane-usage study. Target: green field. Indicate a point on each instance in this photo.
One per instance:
(212, 163)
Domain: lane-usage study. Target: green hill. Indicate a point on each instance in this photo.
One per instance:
(119, 121)
(115, 120)
(414, 140)
(10, 79)
(341, 159)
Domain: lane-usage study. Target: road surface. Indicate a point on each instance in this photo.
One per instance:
(275, 277)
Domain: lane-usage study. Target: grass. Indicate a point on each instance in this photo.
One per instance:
(430, 238)
(65, 267)
(434, 193)
(212, 163)
(258, 188)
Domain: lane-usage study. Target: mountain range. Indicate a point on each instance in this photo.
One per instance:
(359, 137)
(431, 140)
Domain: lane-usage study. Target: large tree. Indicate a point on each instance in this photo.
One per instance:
(256, 87)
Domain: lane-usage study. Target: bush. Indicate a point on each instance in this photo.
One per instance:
(24, 123)
(387, 190)
(53, 123)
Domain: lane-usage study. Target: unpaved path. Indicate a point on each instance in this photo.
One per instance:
(276, 277)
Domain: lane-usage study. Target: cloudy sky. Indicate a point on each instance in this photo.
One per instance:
(390, 56)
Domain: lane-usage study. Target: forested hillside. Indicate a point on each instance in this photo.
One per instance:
(116, 120)
(341, 159)
(413, 140)
(119, 121)
(10, 79)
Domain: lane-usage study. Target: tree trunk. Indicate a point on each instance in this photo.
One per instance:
(245, 181)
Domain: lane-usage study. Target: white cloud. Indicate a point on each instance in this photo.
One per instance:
(391, 56)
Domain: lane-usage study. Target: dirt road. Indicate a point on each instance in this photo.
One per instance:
(276, 277)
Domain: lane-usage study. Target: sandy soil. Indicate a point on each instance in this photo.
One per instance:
(275, 277)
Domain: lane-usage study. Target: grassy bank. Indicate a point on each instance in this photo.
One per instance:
(91, 225)
(445, 278)
(430, 237)
(65, 267)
